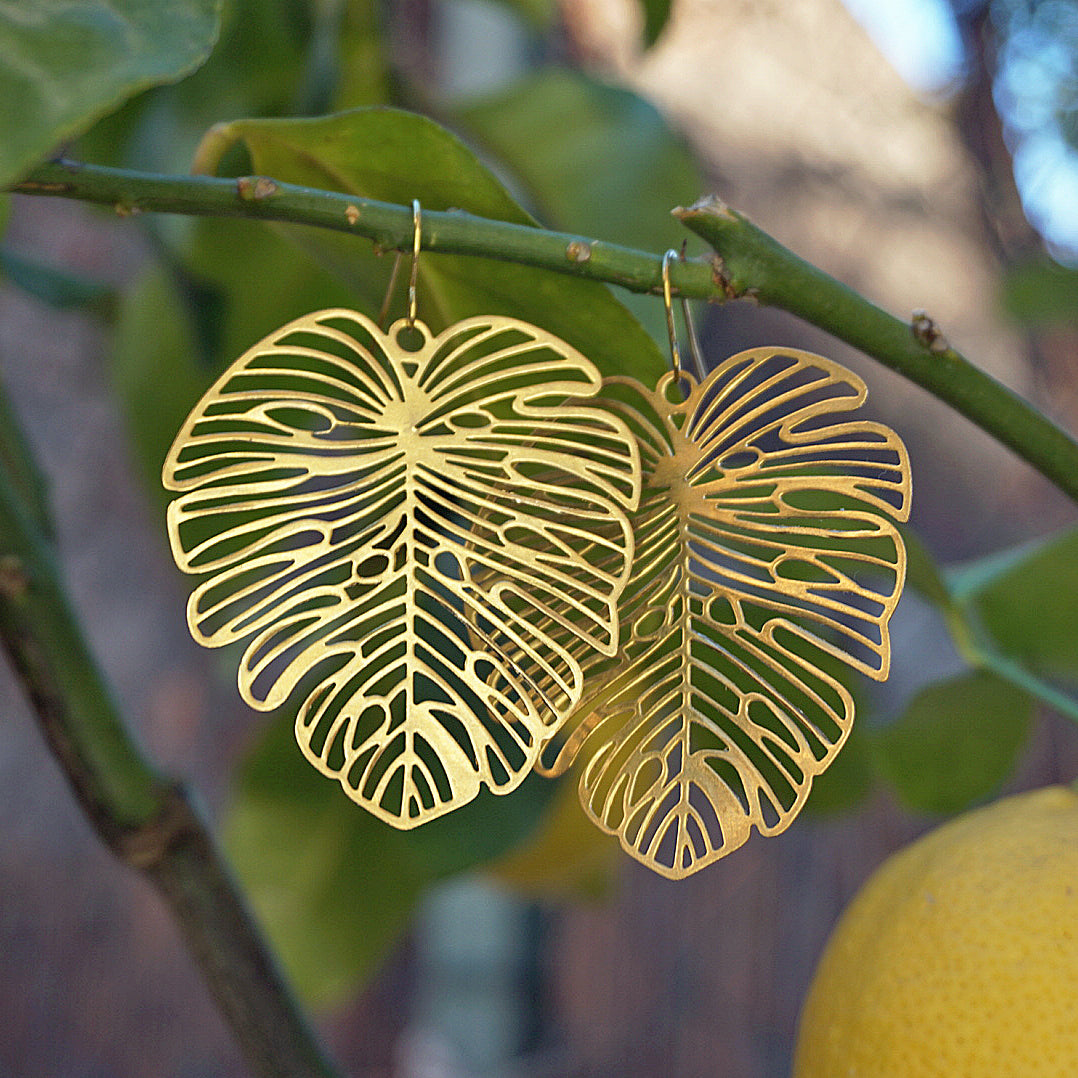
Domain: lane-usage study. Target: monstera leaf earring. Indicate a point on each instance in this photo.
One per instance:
(766, 548)
(416, 540)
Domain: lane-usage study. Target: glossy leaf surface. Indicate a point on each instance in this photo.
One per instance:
(62, 65)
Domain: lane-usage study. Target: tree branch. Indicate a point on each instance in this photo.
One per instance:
(388, 226)
(753, 262)
(749, 263)
(145, 820)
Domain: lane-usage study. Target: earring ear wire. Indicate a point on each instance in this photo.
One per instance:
(697, 372)
(413, 277)
(668, 306)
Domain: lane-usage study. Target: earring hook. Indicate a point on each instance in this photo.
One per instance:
(675, 352)
(413, 277)
(690, 328)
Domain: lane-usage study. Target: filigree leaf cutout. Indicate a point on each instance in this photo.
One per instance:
(389, 522)
(765, 548)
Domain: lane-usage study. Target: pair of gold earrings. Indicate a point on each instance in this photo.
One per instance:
(467, 555)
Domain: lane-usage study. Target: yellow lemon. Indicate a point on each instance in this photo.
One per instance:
(959, 956)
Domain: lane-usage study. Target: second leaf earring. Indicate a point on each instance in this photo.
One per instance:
(414, 539)
(766, 554)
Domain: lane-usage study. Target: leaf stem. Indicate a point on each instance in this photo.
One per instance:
(747, 263)
(147, 821)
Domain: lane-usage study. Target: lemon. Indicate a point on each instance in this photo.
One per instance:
(959, 956)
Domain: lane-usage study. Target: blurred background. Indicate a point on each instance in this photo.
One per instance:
(923, 151)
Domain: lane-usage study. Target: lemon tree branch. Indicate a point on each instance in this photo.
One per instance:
(747, 263)
(752, 263)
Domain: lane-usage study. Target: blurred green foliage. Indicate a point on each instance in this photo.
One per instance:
(1041, 294)
(604, 148)
(955, 744)
(333, 885)
(1025, 601)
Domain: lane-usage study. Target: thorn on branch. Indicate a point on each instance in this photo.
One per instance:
(708, 205)
(578, 251)
(256, 188)
(926, 331)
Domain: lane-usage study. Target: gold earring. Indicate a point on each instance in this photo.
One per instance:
(766, 549)
(414, 537)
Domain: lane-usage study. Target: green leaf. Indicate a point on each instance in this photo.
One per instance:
(594, 159)
(262, 65)
(956, 743)
(397, 156)
(850, 777)
(996, 606)
(566, 858)
(56, 287)
(1039, 689)
(362, 76)
(656, 16)
(922, 572)
(1025, 600)
(966, 579)
(64, 63)
(333, 886)
(155, 368)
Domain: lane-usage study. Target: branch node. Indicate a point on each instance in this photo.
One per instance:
(144, 847)
(724, 280)
(578, 251)
(926, 332)
(258, 189)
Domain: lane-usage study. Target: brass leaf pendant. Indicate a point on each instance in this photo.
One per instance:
(415, 535)
(765, 549)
